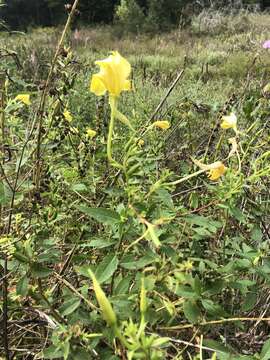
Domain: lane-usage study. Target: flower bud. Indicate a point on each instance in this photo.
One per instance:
(104, 304)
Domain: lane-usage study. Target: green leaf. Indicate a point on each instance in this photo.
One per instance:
(191, 311)
(69, 306)
(186, 292)
(160, 341)
(215, 345)
(79, 188)
(153, 235)
(197, 285)
(131, 263)
(22, 286)
(5, 193)
(98, 243)
(123, 286)
(106, 268)
(40, 271)
(212, 308)
(249, 302)
(104, 216)
(52, 352)
(265, 354)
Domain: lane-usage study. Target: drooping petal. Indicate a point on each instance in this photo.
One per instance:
(25, 98)
(108, 75)
(216, 172)
(113, 74)
(164, 125)
(127, 85)
(123, 70)
(97, 85)
(67, 115)
(229, 121)
(91, 133)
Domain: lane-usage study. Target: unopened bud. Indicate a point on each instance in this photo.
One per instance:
(104, 304)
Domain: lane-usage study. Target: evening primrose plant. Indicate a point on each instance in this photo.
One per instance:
(134, 245)
(112, 78)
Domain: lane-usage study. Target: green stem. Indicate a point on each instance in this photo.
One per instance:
(122, 339)
(113, 105)
(176, 182)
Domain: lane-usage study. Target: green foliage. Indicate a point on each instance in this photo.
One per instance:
(129, 16)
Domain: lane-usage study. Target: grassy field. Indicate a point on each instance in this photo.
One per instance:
(183, 260)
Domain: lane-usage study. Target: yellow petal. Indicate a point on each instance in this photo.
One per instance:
(97, 86)
(91, 133)
(67, 115)
(25, 98)
(164, 125)
(113, 75)
(217, 171)
(229, 121)
(127, 85)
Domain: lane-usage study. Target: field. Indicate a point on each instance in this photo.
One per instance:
(147, 238)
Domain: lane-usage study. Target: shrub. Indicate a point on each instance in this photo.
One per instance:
(129, 16)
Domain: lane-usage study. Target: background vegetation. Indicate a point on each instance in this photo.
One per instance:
(24, 14)
(197, 285)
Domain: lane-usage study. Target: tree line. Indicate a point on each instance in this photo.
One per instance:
(22, 14)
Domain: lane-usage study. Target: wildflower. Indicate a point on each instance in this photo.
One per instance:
(141, 142)
(215, 170)
(186, 265)
(266, 44)
(104, 304)
(25, 98)
(164, 125)
(91, 133)
(113, 76)
(67, 115)
(229, 122)
(218, 169)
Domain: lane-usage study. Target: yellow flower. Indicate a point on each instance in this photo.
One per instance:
(141, 142)
(215, 170)
(218, 169)
(91, 133)
(25, 98)
(186, 265)
(229, 122)
(164, 125)
(113, 76)
(67, 115)
(104, 304)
